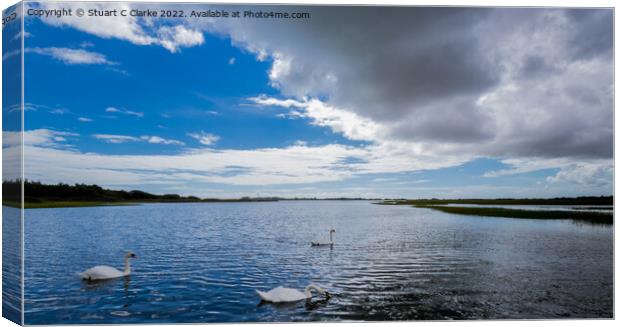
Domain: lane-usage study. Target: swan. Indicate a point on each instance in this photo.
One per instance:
(282, 294)
(331, 240)
(107, 272)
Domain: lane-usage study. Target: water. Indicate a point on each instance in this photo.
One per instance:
(202, 263)
(11, 264)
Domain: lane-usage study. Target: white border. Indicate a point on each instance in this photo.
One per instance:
(482, 3)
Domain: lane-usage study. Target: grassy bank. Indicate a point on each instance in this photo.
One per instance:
(577, 201)
(590, 216)
(593, 208)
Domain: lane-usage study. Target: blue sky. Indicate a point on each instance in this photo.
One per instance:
(235, 109)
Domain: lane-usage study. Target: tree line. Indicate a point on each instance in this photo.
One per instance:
(35, 191)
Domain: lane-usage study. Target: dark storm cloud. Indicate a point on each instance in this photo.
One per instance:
(592, 32)
(508, 82)
(534, 66)
(570, 137)
(457, 122)
(407, 57)
(401, 57)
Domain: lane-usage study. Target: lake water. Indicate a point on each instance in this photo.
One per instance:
(203, 263)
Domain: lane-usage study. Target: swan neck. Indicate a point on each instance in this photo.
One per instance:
(308, 290)
(127, 266)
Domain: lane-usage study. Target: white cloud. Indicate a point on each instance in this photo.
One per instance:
(527, 165)
(117, 70)
(204, 138)
(174, 38)
(85, 120)
(267, 101)
(87, 44)
(46, 137)
(50, 160)
(339, 121)
(585, 174)
(72, 56)
(393, 156)
(40, 138)
(295, 164)
(382, 180)
(124, 111)
(10, 54)
(116, 139)
(11, 139)
(18, 107)
(59, 111)
(136, 30)
(28, 106)
(159, 140)
(232, 60)
(124, 28)
(19, 35)
(591, 172)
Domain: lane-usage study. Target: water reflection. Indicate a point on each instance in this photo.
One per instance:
(98, 284)
(309, 304)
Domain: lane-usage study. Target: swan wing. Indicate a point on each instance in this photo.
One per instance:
(282, 294)
(102, 272)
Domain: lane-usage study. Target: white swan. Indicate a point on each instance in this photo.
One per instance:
(282, 294)
(331, 240)
(107, 272)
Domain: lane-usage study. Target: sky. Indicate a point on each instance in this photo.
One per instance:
(353, 101)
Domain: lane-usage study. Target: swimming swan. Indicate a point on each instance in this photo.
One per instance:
(107, 272)
(282, 294)
(331, 240)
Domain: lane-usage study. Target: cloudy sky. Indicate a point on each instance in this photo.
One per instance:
(353, 101)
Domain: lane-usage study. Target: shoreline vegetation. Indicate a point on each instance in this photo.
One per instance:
(38, 195)
(605, 216)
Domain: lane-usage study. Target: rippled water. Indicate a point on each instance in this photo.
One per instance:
(202, 263)
(11, 264)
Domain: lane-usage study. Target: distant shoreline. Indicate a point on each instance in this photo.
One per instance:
(39, 195)
(76, 204)
(588, 215)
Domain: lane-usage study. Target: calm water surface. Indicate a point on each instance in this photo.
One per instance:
(202, 263)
